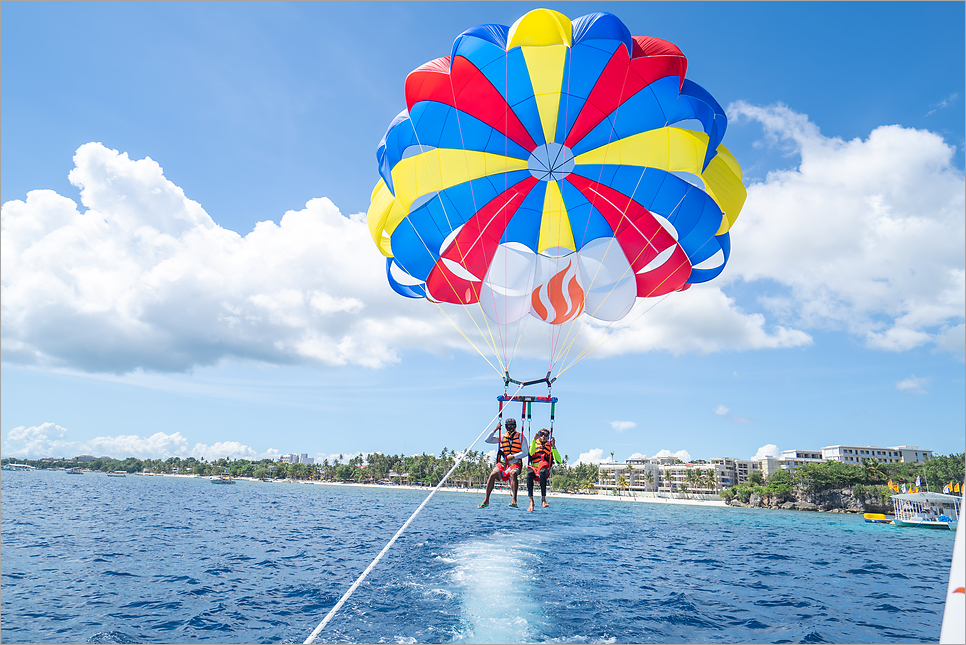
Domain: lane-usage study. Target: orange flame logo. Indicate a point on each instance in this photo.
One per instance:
(561, 299)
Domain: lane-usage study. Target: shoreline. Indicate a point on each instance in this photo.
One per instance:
(474, 491)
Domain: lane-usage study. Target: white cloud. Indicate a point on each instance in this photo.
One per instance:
(48, 440)
(913, 385)
(683, 455)
(768, 450)
(594, 456)
(946, 102)
(702, 320)
(721, 410)
(143, 278)
(621, 426)
(638, 455)
(865, 235)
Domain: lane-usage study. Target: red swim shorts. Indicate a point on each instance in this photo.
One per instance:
(540, 465)
(507, 471)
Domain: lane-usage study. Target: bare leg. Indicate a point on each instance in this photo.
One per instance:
(530, 489)
(490, 483)
(514, 485)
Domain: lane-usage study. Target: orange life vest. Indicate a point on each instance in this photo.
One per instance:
(510, 447)
(542, 453)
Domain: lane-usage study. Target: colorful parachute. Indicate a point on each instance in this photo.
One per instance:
(537, 171)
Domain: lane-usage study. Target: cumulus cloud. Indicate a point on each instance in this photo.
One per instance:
(913, 385)
(141, 277)
(593, 456)
(49, 440)
(683, 455)
(864, 235)
(638, 455)
(723, 411)
(621, 426)
(702, 320)
(768, 450)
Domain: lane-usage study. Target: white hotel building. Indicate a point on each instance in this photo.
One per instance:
(667, 476)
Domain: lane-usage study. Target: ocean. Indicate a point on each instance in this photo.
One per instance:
(178, 560)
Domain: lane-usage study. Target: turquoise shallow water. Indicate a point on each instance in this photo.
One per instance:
(155, 559)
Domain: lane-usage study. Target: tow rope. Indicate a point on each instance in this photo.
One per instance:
(355, 585)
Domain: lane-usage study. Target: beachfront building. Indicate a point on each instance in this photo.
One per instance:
(744, 468)
(297, 459)
(698, 477)
(789, 460)
(731, 471)
(634, 471)
(891, 455)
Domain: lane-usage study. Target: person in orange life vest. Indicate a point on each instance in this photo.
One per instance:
(543, 453)
(509, 460)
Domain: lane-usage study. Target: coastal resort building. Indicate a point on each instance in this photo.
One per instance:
(297, 459)
(664, 475)
(893, 455)
(670, 475)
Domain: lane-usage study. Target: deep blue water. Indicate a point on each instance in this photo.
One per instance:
(158, 559)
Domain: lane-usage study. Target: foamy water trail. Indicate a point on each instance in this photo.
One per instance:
(494, 576)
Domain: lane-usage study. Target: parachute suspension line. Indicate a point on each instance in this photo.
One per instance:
(600, 341)
(355, 585)
(491, 343)
(522, 327)
(574, 332)
(499, 370)
(612, 324)
(459, 125)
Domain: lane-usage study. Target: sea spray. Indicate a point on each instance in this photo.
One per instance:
(494, 576)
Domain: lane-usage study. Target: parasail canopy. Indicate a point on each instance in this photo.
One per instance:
(554, 169)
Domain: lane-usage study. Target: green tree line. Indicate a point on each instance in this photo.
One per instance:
(424, 469)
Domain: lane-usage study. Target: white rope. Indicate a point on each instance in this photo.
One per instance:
(325, 621)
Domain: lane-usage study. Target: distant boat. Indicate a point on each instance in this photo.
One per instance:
(224, 478)
(927, 510)
(877, 518)
(116, 474)
(17, 467)
(75, 471)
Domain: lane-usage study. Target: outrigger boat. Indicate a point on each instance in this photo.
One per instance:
(224, 478)
(927, 510)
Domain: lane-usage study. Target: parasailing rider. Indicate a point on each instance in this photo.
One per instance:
(543, 454)
(509, 460)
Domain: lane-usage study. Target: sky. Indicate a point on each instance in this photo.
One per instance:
(186, 268)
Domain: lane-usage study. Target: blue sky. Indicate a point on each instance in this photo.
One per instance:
(838, 320)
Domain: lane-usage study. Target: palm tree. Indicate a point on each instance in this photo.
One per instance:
(712, 480)
(692, 477)
(873, 469)
(649, 478)
(622, 483)
(630, 474)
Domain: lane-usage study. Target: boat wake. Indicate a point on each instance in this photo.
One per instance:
(494, 577)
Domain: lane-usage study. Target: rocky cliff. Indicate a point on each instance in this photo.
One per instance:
(836, 500)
